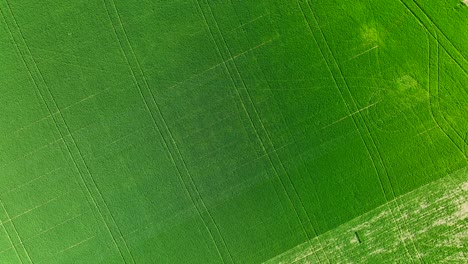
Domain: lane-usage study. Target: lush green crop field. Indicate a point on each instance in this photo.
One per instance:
(149, 131)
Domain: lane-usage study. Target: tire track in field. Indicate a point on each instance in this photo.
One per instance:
(87, 182)
(351, 105)
(254, 116)
(163, 130)
(288, 129)
(437, 114)
(437, 213)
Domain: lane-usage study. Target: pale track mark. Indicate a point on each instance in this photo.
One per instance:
(10, 247)
(32, 152)
(53, 59)
(62, 109)
(48, 144)
(15, 230)
(36, 207)
(9, 237)
(426, 131)
(43, 232)
(350, 115)
(53, 227)
(33, 123)
(115, 141)
(84, 99)
(77, 244)
(195, 76)
(247, 23)
(364, 52)
(76, 57)
(30, 181)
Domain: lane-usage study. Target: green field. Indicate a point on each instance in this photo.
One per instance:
(150, 131)
(430, 229)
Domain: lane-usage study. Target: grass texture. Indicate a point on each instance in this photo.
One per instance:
(232, 131)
